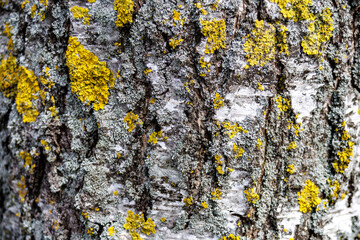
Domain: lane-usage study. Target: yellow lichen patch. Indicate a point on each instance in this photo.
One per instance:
(147, 71)
(33, 10)
(27, 91)
(174, 42)
(24, 3)
(295, 126)
(22, 188)
(290, 169)
(295, 10)
(281, 40)
(111, 231)
(90, 78)
(45, 144)
(258, 144)
(81, 13)
(308, 197)
(230, 237)
(215, 5)
(90, 231)
(260, 87)
(52, 109)
(176, 15)
(335, 189)
(215, 30)
(136, 222)
(91, 1)
(188, 201)
(155, 136)
(9, 78)
(203, 63)
(219, 163)
(163, 219)
(7, 32)
(216, 194)
(292, 145)
(27, 161)
(55, 225)
(320, 31)
(232, 129)
(260, 45)
(283, 104)
(204, 205)
(251, 196)
(125, 9)
(21, 83)
(238, 151)
(343, 157)
(131, 119)
(218, 101)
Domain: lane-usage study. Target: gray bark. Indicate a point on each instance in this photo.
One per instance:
(80, 185)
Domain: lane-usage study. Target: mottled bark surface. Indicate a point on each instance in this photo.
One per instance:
(76, 171)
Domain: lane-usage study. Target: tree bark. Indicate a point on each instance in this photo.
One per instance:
(220, 119)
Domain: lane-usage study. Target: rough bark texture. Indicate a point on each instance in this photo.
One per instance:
(76, 171)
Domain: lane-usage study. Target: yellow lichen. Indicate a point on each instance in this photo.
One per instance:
(230, 237)
(136, 223)
(22, 188)
(163, 219)
(204, 205)
(125, 9)
(216, 194)
(335, 189)
(290, 169)
(131, 119)
(283, 104)
(215, 30)
(174, 42)
(90, 231)
(232, 129)
(81, 13)
(111, 231)
(295, 10)
(188, 201)
(9, 71)
(155, 136)
(292, 145)
(281, 40)
(27, 161)
(90, 78)
(33, 10)
(259, 143)
(218, 101)
(45, 144)
(320, 31)
(7, 32)
(238, 150)
(21, 83)
(27, 91)
(147, 71)
(260, 46)
(251, 196)
(260, 87)
(219, 163)
(343, 157)
(308, 197)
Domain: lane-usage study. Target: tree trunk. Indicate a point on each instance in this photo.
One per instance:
(206, 119)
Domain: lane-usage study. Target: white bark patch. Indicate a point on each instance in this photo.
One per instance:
(288, 220)
(240, 105)
(303, 99)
